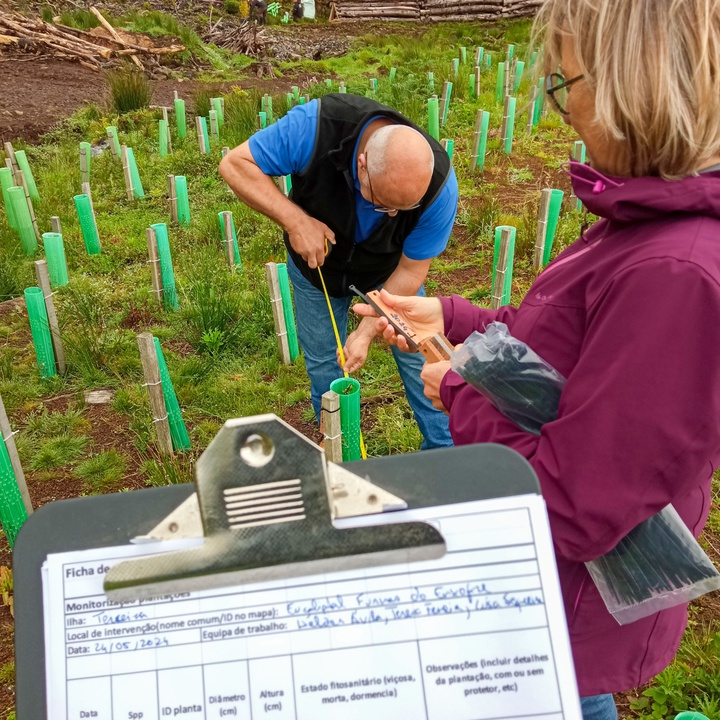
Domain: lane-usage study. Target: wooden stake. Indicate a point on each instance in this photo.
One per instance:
(154, 262)
(175, 95)
(126, 173)
(201, 135)
(86, 191)
(10, 152)
(114, 35)
(111, 138)
(501, 270)
(506, 115)
(9, 165)
(8, 436)
(20, 182)
(477, 82)
(541, 235)
(506, 78)
(84, 165)
(332, 430)
(55, 224)
(443, 101)
(277, 310)
(153, 383)
(227, 221)
(172, 198)
(476, 142)
(43, 280)
(165, 118)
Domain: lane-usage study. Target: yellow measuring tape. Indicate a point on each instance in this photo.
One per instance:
(363, 452)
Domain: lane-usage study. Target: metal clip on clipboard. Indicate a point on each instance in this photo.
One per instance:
(265, 502)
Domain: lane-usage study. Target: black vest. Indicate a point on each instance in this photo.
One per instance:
(326, 191)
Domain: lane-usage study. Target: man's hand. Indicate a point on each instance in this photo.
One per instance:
(307, 237)
(432, 375)
(357, 345)
(423, 313)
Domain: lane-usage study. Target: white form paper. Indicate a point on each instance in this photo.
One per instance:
(477, 634)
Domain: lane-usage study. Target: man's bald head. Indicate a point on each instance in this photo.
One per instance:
(400, 163)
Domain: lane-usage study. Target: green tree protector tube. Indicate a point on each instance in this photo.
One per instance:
(55, 257)
(24, 165)
(510, 52)
(500, 82)
(507, 284)
(488, 60)
(348, 389)
(163, 138)
(21, 212)
(113, 135)
(463, 55)
(170, 300)
(138, 191)
(431, 81)
(88, 227)
(556, 199)
(284, 282)
(6, 182)
(178, 431)
(480, 55)
(446, 109)
(301, 101)
(450, 148)
(183, 203)
(291, 99)
(482, 147)
(296, 92)
(87, 148)
(533, 58)
(269, 110)
(328, 82)
(393, 71)
(433, 118)
(204, 125)
(471, 85)
(219, 112)
(540, 100)
(519, 67)
(262, 120)
(236, 249)
(12, 508)
(40, 330)
(180, 119)
(510, 125)
(455, 66)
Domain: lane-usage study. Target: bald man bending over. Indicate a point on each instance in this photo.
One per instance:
(382, 192)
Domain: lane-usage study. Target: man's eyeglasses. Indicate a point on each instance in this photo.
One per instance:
(382, 208)
(557, 88)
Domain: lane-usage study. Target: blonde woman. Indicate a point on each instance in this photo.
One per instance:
(629, 314)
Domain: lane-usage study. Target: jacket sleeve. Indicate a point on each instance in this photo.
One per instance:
(639, 417)
(462, 317)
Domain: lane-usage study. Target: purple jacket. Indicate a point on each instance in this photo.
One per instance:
(630, 315)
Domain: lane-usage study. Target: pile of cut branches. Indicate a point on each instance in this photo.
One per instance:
(33, 35)
(244, 38)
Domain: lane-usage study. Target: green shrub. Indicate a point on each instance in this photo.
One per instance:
(232, 7)
(129, 90)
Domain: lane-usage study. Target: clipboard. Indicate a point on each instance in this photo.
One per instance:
(480, 472)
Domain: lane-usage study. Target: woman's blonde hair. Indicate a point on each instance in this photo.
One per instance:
(654, 66)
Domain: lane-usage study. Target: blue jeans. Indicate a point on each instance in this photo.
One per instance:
(598, 707)
(317, 340)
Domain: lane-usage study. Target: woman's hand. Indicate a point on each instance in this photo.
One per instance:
(432, 375)
(423, 313)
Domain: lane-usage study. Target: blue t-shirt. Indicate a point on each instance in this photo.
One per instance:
(286, 147)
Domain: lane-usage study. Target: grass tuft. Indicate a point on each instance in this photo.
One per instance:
(129, 90)
(102, 471)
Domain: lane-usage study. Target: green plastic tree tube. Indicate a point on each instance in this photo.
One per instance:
(296, 92)
(55, 257)
(431, 81)
(348, 390)
(40, 330)
(236, 248)
(500, 82)
(455, 66)
(88, 227)
(481, 55)
(269, 110)
(291, 99)
(507, 284)
(301, 101)
(447, 103)
(510, 52)
(87, 147)
(111, 130)
(262, 117)
(510, 125)
(284, 282)
(579, 156)
(533, 58)
(178, 431)
(204, 126)
(170, 300)
(471, 85)
(556, 199)
(21, 211)
(393, 71)
(183, 203)
(12, 508)
(519, 68)
(180, 119)
(463, 55)
(24, 165)
(482, 147)
(488, 60)
(328, 82)
(6, 182)
(163, 138)
(219, 112)
(450, 147)
(342, 90)
(434, 118)
(138, 191)
(540, 100)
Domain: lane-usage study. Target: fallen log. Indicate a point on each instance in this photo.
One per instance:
(114, 34)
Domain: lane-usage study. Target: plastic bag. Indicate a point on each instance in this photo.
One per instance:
(513, 377)
(658, 564)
